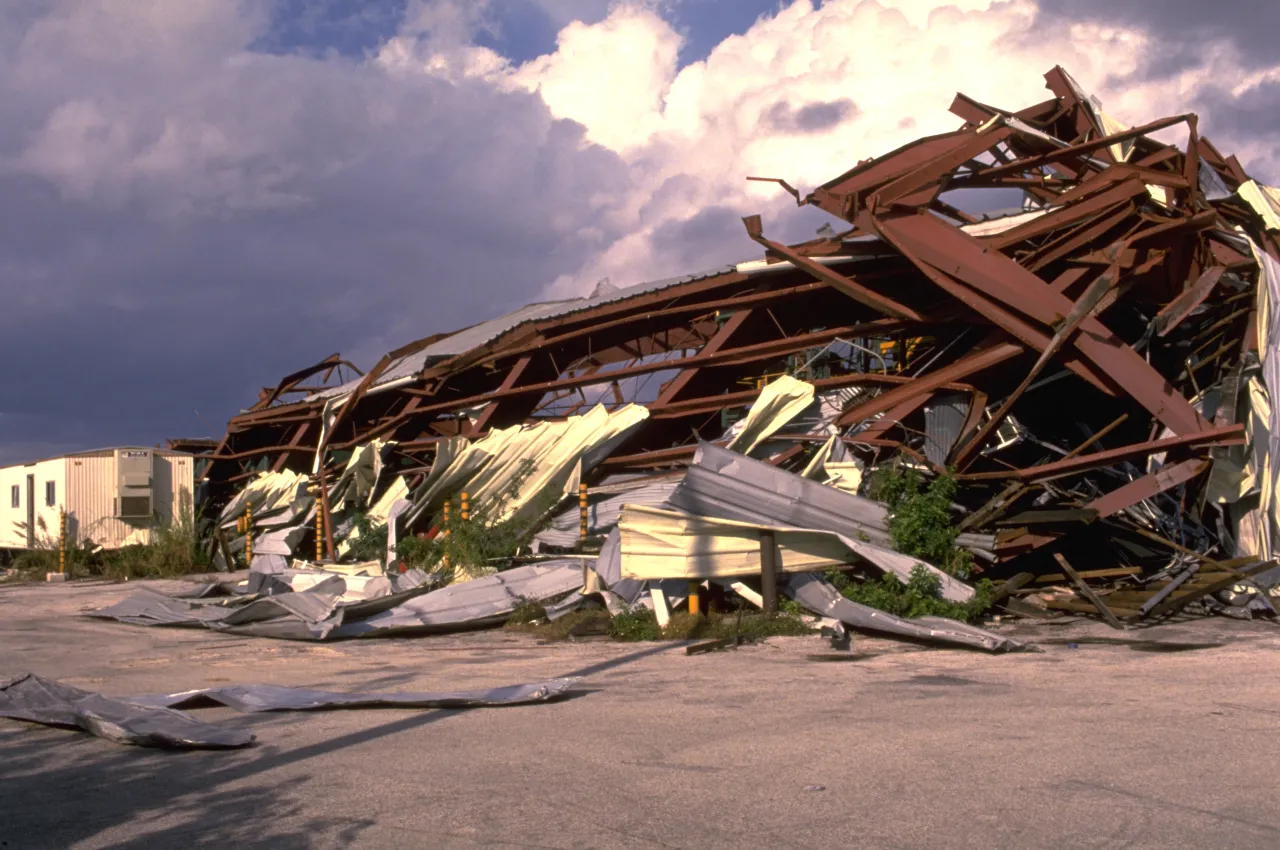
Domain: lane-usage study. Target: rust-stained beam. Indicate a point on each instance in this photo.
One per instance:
(1231, 435)
(481, 422)
(931, 381)
(298, 434)
(848, 285)
(685, 375)
(946, 247)
(1065, 329)
(1172, 314)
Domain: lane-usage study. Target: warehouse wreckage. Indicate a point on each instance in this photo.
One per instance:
(1094, 370)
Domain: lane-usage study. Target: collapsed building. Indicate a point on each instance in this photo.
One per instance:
(1093, 368)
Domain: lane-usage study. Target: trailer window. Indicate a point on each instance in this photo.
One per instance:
(15, 496)
(50, 493)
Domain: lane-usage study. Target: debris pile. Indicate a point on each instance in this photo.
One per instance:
(1070, 398)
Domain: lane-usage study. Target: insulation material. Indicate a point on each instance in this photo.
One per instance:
(663, 544)
(779, 402)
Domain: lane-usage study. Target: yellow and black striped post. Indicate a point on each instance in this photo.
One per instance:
(583, 516)
(465, 513)
(62, 541)
(319, 532)
(248, 534)
(444, 527)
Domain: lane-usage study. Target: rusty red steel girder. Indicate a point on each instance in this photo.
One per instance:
(1119, 294)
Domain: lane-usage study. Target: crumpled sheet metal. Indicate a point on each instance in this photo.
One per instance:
(305, 615)
(312, 614)
(603, 514)
(662, 544)
(557, 450)
(726, 484)
(36, 700)
(822, 598)
(154, 721)
(256, 698)
(480, 602)
(778, 403)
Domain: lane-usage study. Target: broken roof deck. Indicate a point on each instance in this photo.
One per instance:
(1095, 368)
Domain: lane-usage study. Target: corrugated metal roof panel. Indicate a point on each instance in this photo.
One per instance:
(477, 335)
(603, 514)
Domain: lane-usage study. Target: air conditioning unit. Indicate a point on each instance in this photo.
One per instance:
(134, 484)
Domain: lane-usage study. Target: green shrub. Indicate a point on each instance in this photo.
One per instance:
(368, 540)
(920, 517)
(642, 624)
(485, 539)
(636, 624)
(177, 547)
(919, 596)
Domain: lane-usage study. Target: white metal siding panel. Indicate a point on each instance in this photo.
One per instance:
(174, 485)
(48, 516)
(12, 533)
(92, 501)
(86, 486)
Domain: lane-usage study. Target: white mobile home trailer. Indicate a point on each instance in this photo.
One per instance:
(113, 497)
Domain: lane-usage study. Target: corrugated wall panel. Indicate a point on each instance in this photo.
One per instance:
(91, 499)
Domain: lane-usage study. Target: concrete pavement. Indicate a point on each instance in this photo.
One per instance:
(1107, 745)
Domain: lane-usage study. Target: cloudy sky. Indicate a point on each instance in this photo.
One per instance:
(198, 196)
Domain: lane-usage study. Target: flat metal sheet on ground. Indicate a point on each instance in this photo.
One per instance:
(254, 698)
(36, 700)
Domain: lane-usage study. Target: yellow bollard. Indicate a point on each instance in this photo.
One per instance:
(466, 507)
(444, 525)
(248, 534)
(695, 606)
(62, 541)
(319, 533)
(583, 518)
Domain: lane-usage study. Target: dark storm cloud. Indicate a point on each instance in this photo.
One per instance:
(1256, 112)
(1250, 25)
(809, 118)
(711, 237)
(186, 220)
